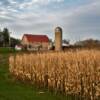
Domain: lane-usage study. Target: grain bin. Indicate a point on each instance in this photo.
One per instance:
(58, 38)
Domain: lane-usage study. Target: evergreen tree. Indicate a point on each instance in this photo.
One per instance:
(1, 38)
(6, 36)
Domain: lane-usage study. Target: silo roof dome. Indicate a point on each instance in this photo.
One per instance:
(58, 29)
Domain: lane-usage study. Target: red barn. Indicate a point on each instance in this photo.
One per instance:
(36, 42)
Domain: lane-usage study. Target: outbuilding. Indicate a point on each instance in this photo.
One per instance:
(35, 42)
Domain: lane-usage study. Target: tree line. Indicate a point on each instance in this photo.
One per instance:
(88, 43)
(4, 37)
(6, 40)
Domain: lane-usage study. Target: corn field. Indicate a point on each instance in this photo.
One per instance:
(71, 72)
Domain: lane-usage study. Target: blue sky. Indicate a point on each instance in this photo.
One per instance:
(80, 19)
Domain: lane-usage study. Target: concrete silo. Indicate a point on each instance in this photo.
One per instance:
(58, 38)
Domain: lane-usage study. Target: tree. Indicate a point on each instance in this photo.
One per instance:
(14, 41)
(66, 41)
(6, 36)
(1, 38)
(91, 43)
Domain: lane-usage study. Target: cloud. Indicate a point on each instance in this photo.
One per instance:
(79, 20)
(30, 3)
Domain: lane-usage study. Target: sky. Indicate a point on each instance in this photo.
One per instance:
(79, 19)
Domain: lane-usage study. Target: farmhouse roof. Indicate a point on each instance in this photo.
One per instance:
(36, 38)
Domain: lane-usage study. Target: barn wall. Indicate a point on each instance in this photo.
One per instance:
(44, 45)
(24, 41)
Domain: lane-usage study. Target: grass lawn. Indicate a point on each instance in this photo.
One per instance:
(6, 50)
(11, 89)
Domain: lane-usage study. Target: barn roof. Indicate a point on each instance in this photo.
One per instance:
(36, 38)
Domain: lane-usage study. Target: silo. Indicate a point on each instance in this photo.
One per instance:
(58, 38)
